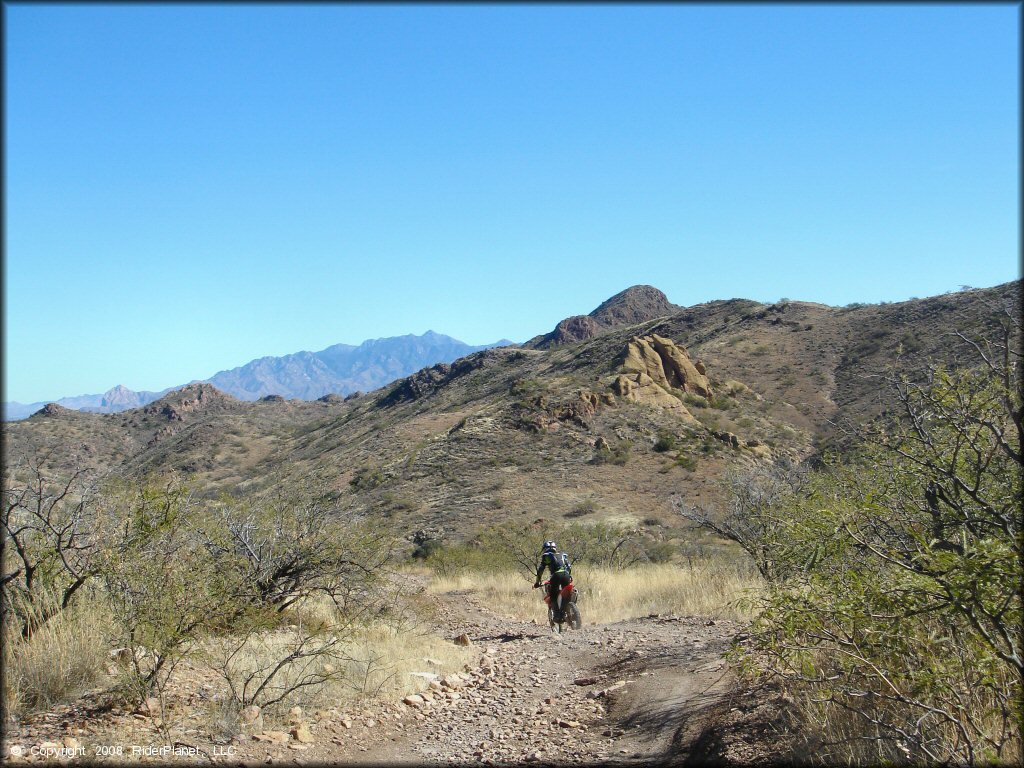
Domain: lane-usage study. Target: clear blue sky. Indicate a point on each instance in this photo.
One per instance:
(189, 187)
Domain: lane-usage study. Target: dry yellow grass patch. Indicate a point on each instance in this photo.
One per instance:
(606, 595)
(385, 660)
(388, 658)
(64, 656)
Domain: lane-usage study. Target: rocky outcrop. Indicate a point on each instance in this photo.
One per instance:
(755, 447)
(542, 415)
(194, 397)
(656, 371)
(667, 364)
(641, 388)
(420, 384)
(572, 330)
(428, 380)
(52, 410)
(637, 304)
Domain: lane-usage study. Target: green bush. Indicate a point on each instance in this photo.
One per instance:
(686, 461)
(892, 608)
(665, 442)
(697, 401)
(367, 478)
(585, 507)
(618, 454)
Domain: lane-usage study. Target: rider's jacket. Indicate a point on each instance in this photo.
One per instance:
(557, 562)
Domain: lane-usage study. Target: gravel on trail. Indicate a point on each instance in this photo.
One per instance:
(638, 691)
(622, 693)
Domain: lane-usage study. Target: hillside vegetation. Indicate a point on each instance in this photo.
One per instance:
(848, 480)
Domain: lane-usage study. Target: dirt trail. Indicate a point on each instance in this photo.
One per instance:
(636, 691)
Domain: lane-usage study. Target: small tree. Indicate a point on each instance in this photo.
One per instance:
(50, 539)
(754, 514)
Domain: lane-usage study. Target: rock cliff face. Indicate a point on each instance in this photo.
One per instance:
(652, 368)
(667, 364)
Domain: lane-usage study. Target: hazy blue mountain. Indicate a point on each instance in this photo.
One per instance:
(114, 400)
(340, 369)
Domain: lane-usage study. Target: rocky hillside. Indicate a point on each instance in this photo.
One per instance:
(604, 428)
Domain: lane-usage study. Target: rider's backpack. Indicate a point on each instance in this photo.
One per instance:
(563, 560)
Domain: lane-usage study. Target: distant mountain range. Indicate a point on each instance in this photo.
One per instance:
(340, 369)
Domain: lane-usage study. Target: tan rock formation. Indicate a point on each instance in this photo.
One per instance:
(641, 388)
(652, 367)
(667, 364)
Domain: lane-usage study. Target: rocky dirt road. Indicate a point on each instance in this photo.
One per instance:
(634, 692)
(652, 690)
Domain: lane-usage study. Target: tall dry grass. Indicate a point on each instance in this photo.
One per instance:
(701, 588)
(66, 655)
(389, 657)
(388, 660)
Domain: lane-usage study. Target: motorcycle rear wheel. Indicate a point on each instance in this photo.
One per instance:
(574, 616)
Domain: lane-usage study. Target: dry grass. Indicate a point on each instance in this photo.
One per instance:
(384, 660)
(388, 658)
(703, 588)
(66, 655)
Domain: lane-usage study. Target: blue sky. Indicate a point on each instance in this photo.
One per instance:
(189, 187)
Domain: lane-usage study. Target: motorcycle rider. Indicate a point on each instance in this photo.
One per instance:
(561, 575)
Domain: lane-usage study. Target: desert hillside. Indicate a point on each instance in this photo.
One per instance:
(603, 424)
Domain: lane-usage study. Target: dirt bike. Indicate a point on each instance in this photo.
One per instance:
(570, 611)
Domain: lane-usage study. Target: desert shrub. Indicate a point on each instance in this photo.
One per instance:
(892, 608)
(686, 460)
(617, 454)
(478, 556)
(665, 442)
(163, 586)
(582, 508)
(399, 503)
(621, 452)
(367, 478)
(697, 401)
(659, 551)
(177, 575)
(52, 537)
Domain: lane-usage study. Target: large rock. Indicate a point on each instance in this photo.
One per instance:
(301, 733)
(667, 364)
(641, 388)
